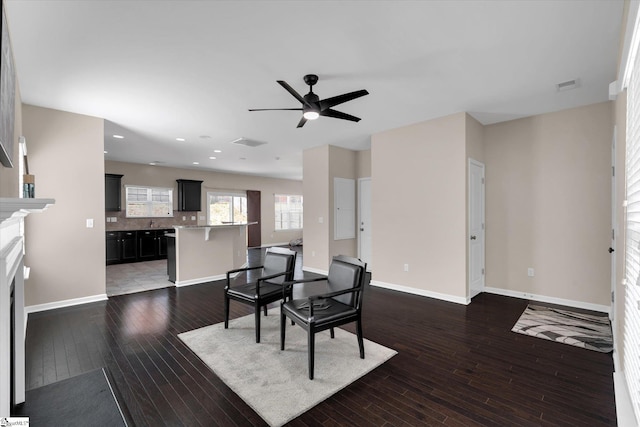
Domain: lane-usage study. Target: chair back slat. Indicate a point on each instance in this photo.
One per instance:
(278, 262)
(345, 273)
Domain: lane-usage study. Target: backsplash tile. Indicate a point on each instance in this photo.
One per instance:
(124, 223)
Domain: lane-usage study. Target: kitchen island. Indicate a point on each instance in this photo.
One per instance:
(204, 253)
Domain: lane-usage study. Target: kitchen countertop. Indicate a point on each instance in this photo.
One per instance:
(235, 224)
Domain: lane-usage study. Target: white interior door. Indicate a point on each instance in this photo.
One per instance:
(364, 221)
(476, 227)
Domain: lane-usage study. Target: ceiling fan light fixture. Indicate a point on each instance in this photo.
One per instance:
(311, 115)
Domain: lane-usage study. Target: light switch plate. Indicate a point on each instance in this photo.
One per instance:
(89, 222)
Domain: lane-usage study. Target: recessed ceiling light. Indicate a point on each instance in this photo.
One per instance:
(152, 163)
(118, 136)
(212, 158)
(180, 139)
(205, 137)
(196, 163)
(217, 151)
(243, 158)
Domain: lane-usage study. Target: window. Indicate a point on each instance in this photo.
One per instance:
(631, 342)
(288, 212)
(149, 202)
(226, 207)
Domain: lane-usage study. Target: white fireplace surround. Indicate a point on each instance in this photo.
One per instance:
(12, 213)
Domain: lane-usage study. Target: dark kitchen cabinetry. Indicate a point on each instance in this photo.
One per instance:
(128, 252)
(171, 258)
(136, 245)
(189, 193)
(147, 245)
(113, 247)
(112, 192)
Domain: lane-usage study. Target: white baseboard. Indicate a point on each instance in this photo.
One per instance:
(544, 298)
(315, 270)
(199, 280)
(624, 407)
(64, 303)
(421, 292)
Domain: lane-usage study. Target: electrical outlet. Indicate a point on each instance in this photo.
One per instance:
(114, 219)
(320, 220)
(530, 272)
(108, 219)
(90, 223)
(193, 217)
(406, 267)
(313, 253)
(184, 218)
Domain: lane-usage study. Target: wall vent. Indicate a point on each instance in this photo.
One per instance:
(248, 142)
(568, 85)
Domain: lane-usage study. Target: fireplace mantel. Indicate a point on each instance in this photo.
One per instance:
(12, 213)
(15, 208)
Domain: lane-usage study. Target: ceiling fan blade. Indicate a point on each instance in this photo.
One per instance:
(292, 91)
(333, 101)
(275, 109)
(339, 115)
(302, 122)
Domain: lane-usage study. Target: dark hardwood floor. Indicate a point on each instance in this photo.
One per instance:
(456, 365)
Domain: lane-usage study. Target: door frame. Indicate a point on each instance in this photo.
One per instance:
(473, 162)
(359, 218)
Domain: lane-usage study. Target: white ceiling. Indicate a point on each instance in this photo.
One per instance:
(158, 70)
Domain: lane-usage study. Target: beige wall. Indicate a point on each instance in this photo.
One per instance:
(419, 206)
(363, 162)
(66, 156)
(320, 166)
(342, 164)
(315, 166)
(136, 174)
(548, 204)
(9, 177)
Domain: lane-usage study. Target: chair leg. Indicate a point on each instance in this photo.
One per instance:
(265, 310)
(283, 323)
(360, 340)
(226, 312)
(312, 342)
(333, 335)
(257, 324)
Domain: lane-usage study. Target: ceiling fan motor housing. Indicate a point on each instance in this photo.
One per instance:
(311, 79)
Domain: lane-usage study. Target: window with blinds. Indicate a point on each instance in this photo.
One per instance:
(148, 202)
(631, 346)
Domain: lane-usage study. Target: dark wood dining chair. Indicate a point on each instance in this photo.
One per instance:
(267, 287)
(340, 304)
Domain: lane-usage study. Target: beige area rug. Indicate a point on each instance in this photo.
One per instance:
(278, 387)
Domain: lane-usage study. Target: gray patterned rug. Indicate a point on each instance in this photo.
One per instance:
(588, 331)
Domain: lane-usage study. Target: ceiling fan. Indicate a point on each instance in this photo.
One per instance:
(313, 106)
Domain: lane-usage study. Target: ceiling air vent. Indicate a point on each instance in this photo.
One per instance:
(248, 142)
(568, 85)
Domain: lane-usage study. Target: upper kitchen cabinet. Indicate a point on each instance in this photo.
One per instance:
(112, 192)
(188, 195)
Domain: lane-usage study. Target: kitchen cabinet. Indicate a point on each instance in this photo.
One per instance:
(189, 193)
(113, 247)
(171, 257)
(128, 246)
(112, 192)
(136, 245)
(147, 245)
